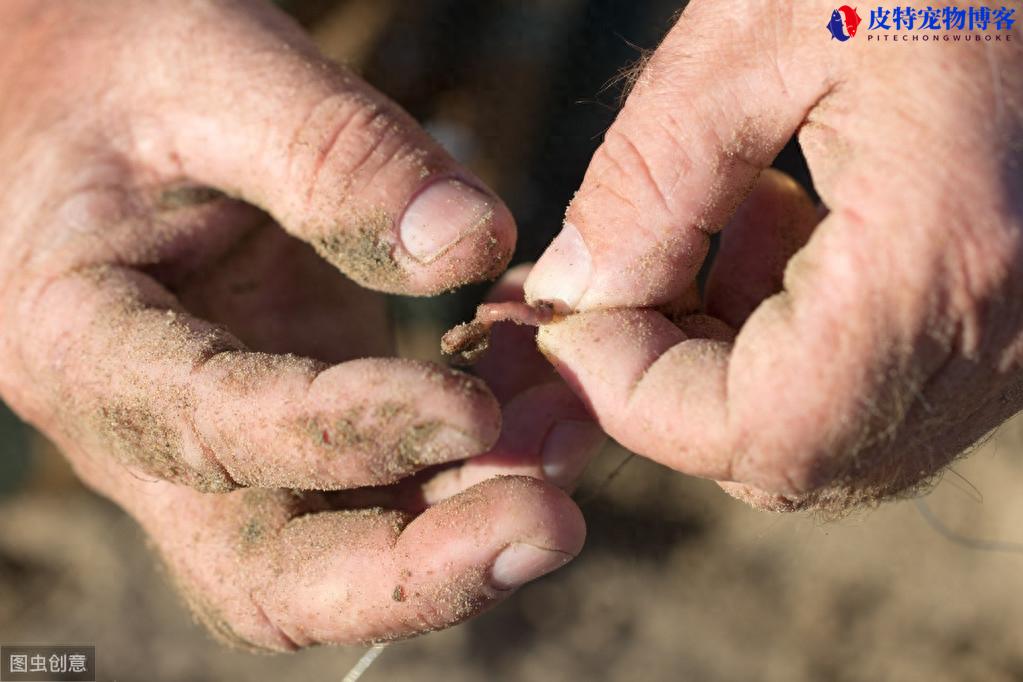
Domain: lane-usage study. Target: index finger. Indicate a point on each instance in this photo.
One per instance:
(131, 375)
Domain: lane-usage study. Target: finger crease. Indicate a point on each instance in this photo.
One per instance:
(323, 153)
(289, 641)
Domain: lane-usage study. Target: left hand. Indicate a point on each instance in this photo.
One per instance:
(149, 319)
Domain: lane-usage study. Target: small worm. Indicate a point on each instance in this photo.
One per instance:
(467, 342)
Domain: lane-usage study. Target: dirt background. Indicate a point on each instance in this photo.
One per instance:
(677, 581)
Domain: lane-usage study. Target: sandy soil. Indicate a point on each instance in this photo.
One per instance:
(677, 582)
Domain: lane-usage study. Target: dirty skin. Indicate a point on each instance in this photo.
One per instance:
(466, 343)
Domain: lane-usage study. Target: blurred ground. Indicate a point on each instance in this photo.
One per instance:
(677, 582)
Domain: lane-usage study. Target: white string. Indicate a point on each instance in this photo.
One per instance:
(363, 664)
(966, 541)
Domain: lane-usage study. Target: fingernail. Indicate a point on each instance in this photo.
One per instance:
(519, 563)
(562, 274)
(440, 216)
(568, 448)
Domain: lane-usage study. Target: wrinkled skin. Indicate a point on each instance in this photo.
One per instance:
(202, 362)
(889, 343)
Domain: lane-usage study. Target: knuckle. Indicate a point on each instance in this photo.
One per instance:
(100, 385)
(628, 167)
(346, 141)
(778, 473)
(155, 440)
(236, 620)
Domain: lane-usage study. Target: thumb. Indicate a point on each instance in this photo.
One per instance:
(706, 116)
(269, 120)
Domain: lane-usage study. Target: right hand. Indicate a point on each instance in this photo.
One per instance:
(839, 360)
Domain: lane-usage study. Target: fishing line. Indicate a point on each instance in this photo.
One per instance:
(363, 664)
(602, 486)
(979, 544)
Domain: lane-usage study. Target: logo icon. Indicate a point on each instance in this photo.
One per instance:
(843, 24)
